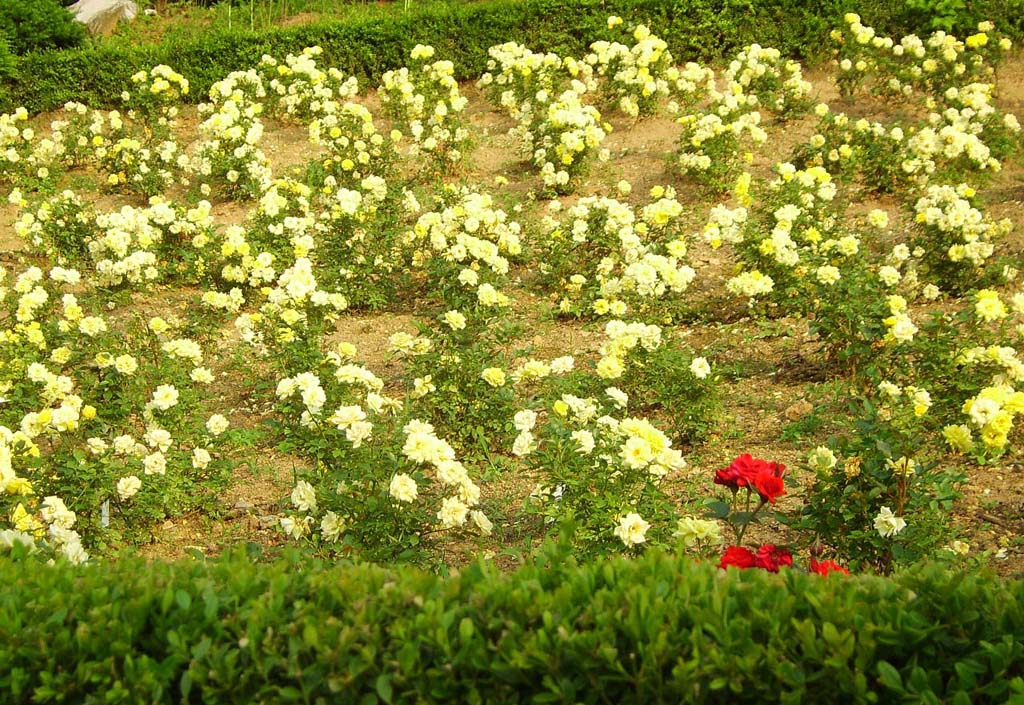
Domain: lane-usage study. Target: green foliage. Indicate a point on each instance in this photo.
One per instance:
(655, 630)
(663, 382)
(947, 15)
(39, 25)
(473, 414)
(877, 469)
(7, 61)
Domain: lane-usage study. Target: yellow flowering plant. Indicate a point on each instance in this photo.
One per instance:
(822, 263)
(899, 156)
(516, 78)
(857, 53)
(713, 149)
(298, 89)
(604, 257)
(376, 482)
(561, 140)
(119, 248)
(73, 134)
(101, 413)
(558, 131)
(956, 238)
(600, 473)
(964, 134)
(777, 83)
(37, 159)
(884, 156)
(355, 148)
(293, 318)
(16, 138)
(362, 243)
(837, 147)
(154, 99)
(133, 166)
(426, 104)
(634, 78)
(462, 250)
(883, 468)
(462, 383)
(914, 65)
(229, 157)
(138, 153)
(59, 226)
(654, 373)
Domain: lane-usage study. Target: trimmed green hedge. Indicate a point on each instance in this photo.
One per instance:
(694, 29)
(656, 630)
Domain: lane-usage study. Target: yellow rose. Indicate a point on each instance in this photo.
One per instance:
(494, 376)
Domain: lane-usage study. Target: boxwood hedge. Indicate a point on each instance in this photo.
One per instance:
(660, 629)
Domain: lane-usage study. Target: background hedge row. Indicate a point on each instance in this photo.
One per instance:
(695, 30)
(660, 629)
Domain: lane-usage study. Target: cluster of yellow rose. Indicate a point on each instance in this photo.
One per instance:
(229, 155)
(912, 64)
(610, 258)
(131, 449)
(635, 78)
(297, 88)
(777, 83)
(426, 101)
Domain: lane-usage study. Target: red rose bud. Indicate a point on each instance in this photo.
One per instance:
(826, 567)
(769, 486)
(737, 556)
(771, 558)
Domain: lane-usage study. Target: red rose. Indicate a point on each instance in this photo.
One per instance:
(744, 470)
(731, 477)
(748, 468)
(769, 486)
(728, 477)
(776, 469)
(771, 558)
(739, 473)
(826, 567)
(737, 556)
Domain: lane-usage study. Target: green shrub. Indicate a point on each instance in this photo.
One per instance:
(656, 630)
(39, 25)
